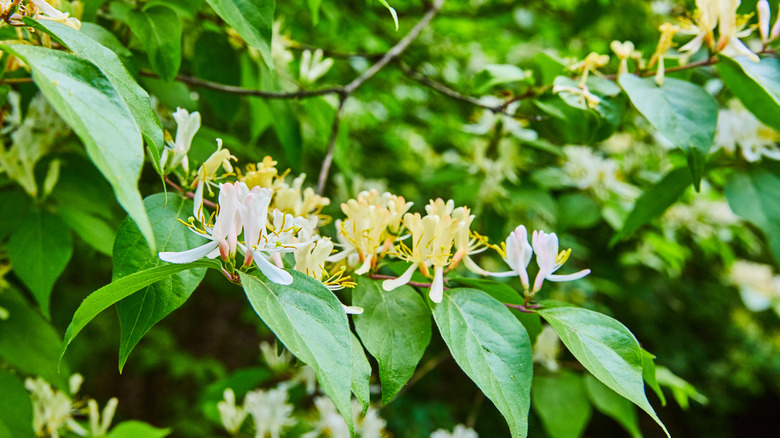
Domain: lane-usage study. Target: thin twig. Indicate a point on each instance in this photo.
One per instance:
(334, 53)
(530, 308)
(300, 94)
(189, 194)
(15, 80)
(328, 160)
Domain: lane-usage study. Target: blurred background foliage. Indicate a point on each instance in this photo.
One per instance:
(668, 283)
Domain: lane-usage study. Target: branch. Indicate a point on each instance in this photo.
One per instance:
(190, 195)
(301, 94)
(15, 80)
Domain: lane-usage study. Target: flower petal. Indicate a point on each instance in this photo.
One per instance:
(274, 274)
(569, 277)
(189, 255)
(389, 285)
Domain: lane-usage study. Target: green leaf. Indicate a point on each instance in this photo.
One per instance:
(285, 120)
(604, 347)
(109, 294)
(395, 328)
(137, 429)
(756, 84)
(655, 201)
(561, 404)
(16, 410)
(108, 62)
(142, 310)
(609, 403)
(28, 342)
(92, 229)
(683, 112)
(314, 8)
(499, 74)
(39, 251)
(577, 211)
(755, 196)
(89, 103)
(392, 12)
(252, 19)
(311, 323)
(681, 390)
(649, 375)
(492, 348)
(361, 374)
(159, 29)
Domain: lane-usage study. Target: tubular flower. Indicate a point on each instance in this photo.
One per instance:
(263, 174)
(702, 25)
(223, 235)
(731, 28)
(550, 260)
(764, 16)
(297, 201)
(365, 228)
(591, 63)
(51, 13)
(311, 258)
(466, 242)
(775, 32)
(665, 42)
(516, 252)
(187, 126)
(207, 172)
(624, 52)
(432, 240)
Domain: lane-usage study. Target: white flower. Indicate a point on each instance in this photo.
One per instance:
(187, 126)
(550, 260)
(758, 286)
(516, 252)
(232, 416)
(738, 127)
(731, 28)
(276, 362)
(223, 235)
(332, 424)
(53, 410)
(207, 172)
(460, 431)
(585, 169)
(546, 348)
(98, 426)
(270, 411)
(52, 13)
(313, 67)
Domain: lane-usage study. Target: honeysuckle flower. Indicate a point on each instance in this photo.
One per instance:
(591, 63)
(313, 67)
(187, 125)
(585, 169)
(591, 100)
(53, 410)
(764, 16)
(731, 28)
(665, 42)
(231, 415)
(739, 129)
(297, 201)
(624, 52)
(270, 411)
(223, 235)
(460, 431)
(263, 174)
(432, 240)
(332, 424)
(547, 348)
(99, 424)
(705, 18)
(775, 32)
(364, 228)
(516, 252)
(207, 172)
(466, 243)
(545, 245)
(51, 13)
(311, 258)
(277, 361)
(758, 286)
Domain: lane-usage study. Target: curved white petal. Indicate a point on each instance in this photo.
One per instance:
(274, 274)
(190, 255)
(365, 266)
(352, 310)
(389, 285)
(437, 286)
(569, 277)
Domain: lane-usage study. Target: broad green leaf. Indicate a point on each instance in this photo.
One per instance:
(492, 348)
(16, 410)
(91, 228)
(252, 19)
(683, 112)
(756, 84)
(655, 201)
(14, 205)
(28, 342)
(108, 62)
(90, 104)
(142, 310)
(649, 375)
(311, 323)
(499, 74)
(39, 251)
(109, 294)
(361, 374)
(609, 403)
(137, 429)
(395, 327)
(392, 12)
(604, 347)
(561, 404)
(503, 293)
(755, 196)
(159, 29)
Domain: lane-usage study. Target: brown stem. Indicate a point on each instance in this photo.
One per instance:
(15, 80)
(189, 194)
(530, 308)
(390, 277)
